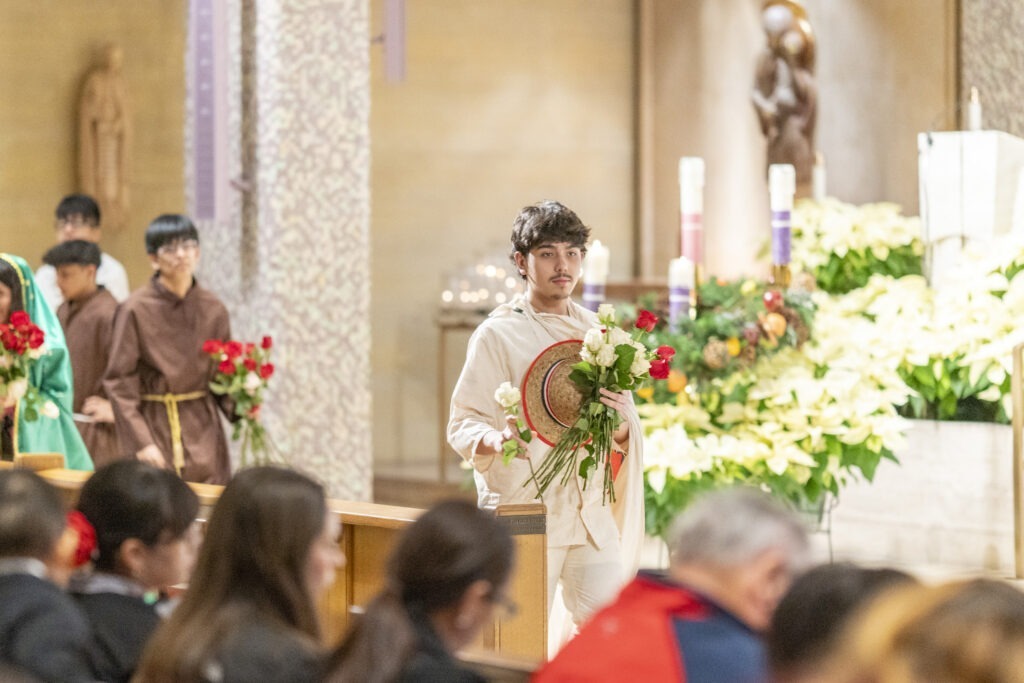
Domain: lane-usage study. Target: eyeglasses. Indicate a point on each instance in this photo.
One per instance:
(73, 222)
(172, 248)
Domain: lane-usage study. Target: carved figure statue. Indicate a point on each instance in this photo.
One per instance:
(105, 138)
(785, 94)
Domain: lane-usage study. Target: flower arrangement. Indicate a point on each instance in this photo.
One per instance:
(738, 323)
(21, 344)
(843, 245)
(612, 359)
(243, 370)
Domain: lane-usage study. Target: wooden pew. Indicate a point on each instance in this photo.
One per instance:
(368, 533)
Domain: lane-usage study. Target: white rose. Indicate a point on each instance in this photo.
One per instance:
(640, 365)
(16, 389)
(606, 356)
(588, 356)
(593, 340)
(5, 360)
(606, 314)
(507, 395)
(50, 410)
(617, 335)
(252, 383)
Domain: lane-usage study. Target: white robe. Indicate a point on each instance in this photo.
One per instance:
(502, 349)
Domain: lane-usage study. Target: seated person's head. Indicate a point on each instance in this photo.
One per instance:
(172, 243)
(76, 262)
(961, 632)
(448, 571)
(272, 534)
(10, 291)
(78, 218)
(741, 548)
(453, 564)
(144, 521)
(808, 621)
(32, 517)
(545, 223)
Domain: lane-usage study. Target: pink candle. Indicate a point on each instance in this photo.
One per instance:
(691, 208)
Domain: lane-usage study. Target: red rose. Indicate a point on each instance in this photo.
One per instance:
(666, 353)
(19, 318)
(233, 349)
(266, 370)
(250, 364)
(646, 321)
(35, 337)
(86, 536)
(213, 347)
(254, 412)
(659, 369)
(267, 343)
(248, 348)
(226, 367)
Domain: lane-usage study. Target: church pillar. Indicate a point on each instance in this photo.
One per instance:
(287, 244)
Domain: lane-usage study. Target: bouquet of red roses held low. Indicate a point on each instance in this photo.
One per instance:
(21, 344)
(243, 371)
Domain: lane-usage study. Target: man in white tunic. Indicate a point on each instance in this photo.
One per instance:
(78, 218)
(592, 547)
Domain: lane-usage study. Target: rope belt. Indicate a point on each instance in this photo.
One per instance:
(171, 402)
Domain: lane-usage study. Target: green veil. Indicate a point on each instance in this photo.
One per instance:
(51, 374)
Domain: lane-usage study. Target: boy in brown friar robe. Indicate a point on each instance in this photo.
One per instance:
(158, 376)
(87, 316)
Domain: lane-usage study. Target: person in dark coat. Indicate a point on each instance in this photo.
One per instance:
(146, 539)
(42, 631)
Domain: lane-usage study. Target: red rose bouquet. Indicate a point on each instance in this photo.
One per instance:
(243, 370)
(21, 343)
(612, 359)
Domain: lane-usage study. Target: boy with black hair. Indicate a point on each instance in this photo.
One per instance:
(87, 316)
(158, 376)
(592, 547)
(78, 218)
(42, 630)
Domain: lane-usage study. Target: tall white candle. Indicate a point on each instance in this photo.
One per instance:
(681, 283)
(818, 178)
(781, 187)
(691, 208)
(595, 274)
(595, 265)
(974, 111)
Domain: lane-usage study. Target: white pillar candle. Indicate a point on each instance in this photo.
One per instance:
(818, 178)
(595, 265)
(595, 275)
(691, 208)
(974, 111)
(681, 282)
(781, 187)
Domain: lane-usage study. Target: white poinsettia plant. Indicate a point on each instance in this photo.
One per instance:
(842, 245)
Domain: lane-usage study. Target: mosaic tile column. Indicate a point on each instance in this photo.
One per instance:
(289, 253)
(992, 60)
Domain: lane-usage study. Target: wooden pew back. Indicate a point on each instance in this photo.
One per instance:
(369, 532)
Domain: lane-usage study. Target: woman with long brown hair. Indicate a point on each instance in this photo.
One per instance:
(444, 578)
(271, 548)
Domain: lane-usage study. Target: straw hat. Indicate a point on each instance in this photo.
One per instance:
(552, 401)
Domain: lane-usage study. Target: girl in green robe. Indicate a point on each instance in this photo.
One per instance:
(51, 373)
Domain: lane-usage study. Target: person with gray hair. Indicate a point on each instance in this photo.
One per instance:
(734, 554)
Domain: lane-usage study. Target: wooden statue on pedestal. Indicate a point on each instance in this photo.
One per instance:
(105, 138)
(785, 94)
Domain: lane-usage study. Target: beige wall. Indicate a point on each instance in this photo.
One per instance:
(505, 103)
(46, 48)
